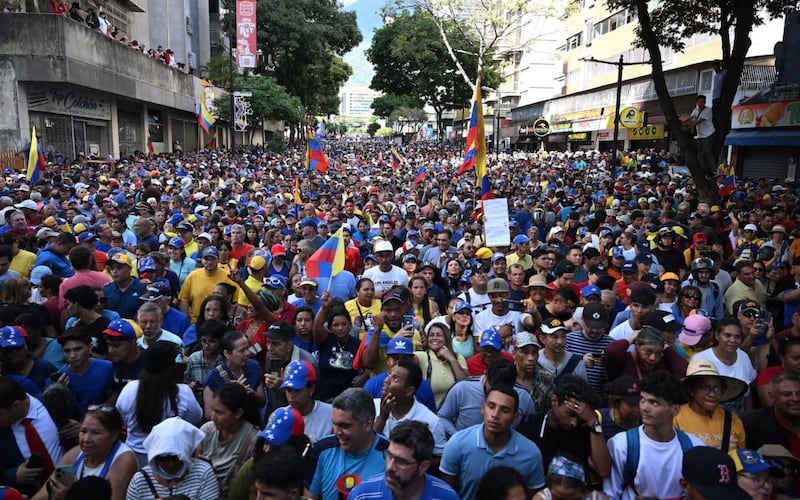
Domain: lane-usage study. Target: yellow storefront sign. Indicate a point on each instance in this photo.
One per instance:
(646, 133)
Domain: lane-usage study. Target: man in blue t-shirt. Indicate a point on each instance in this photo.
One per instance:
(408, 458)
(91, 380)
(354, 451)
(397, 349)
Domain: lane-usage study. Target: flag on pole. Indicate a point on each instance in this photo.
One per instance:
(36, 161)
(315, 157)
(728, 186)
(397, 159)
(328, 261)
(421, 173)
(475, 152)
(204, 118)
(486, 188)
(150, 148)
(297, 199)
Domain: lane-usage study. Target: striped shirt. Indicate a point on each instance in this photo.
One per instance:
(199, 484)
(579, 345)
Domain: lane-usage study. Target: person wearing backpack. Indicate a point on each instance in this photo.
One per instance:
(646, 460)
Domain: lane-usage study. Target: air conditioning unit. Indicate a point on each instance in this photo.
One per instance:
(188, 25)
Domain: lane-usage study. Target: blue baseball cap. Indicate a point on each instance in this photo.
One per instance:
(461, 306)
(617, 252)
(491, 338)
(521, 239)
(283, 424)
(298, 374)
(629, 267)
(120, 328)
(275, 282)
(12, 336)
(400, 345)
(590, 290)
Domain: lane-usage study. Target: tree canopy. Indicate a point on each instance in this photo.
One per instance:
(412, 62)
(306, 39)
(669, 23)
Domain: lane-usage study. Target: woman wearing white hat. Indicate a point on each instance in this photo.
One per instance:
(702, 416)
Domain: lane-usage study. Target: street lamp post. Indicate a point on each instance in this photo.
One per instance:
(620, 64)
(232, 35)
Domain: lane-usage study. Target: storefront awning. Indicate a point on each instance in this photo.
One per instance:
(771, 137)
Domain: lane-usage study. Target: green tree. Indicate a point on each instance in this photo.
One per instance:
(372, 128)
(305, 40)
(408, 117)
(386, 104)
(411, 59)
(218, 71)
(270, 101)
(669, 23)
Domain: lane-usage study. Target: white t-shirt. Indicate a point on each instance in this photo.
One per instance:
(478, 301)
(658, 474)
(188, 409)
(385, 280)
(487, 319)
(318, 423)
(418, 413)
(742, 369)
(705, 127)
(621, 331)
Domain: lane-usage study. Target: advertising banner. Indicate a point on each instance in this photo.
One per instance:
(246, 49)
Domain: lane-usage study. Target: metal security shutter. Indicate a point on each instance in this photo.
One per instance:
(770, 161)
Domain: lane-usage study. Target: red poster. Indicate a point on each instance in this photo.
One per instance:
(246, 49)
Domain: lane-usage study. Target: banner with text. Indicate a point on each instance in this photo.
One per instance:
(246, 33)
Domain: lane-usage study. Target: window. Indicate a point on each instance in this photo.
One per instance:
(613, 22)
(574, 41)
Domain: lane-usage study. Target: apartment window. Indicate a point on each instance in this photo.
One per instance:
(613, 22)
(574, 41)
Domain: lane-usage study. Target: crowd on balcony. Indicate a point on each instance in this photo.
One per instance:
(99, 20)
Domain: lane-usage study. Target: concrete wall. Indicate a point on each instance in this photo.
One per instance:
(46, 48)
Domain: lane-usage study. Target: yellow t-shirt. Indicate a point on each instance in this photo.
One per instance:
(380, 365)
(23, 263)
(199, 285)
(442, 377)
(365, 316)
(709, 431)
(254, 285)
(526, 262)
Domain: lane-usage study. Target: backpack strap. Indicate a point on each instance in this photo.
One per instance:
(569, 367)
(223, 374)
(726, 431)
(685, 440)
(150, 484)
(631, 458)
(227, 481)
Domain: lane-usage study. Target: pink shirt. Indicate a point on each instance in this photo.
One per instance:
(89, 278)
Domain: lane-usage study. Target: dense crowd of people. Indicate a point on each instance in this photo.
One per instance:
(166, 332)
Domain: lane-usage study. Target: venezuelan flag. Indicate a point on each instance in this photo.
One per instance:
(36, 161)
(486, 188)
(397, 159)
(328, 261)
(475, 153)
(150, 148)
(298, 201)
(421, 174)
(204, 118)
(315, 157)
(728, 186)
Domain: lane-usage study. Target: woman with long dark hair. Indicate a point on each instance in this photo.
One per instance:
(230, 435)
(425, 308)
(237, 367)
(155, 396)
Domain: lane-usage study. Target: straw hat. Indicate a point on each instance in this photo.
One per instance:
(706, 368)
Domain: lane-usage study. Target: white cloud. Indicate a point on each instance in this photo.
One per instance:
(347, 3)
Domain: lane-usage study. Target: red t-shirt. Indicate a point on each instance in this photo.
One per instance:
(476, 367)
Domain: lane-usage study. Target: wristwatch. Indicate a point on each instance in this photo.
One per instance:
(597, 428)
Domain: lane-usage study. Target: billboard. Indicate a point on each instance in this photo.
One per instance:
(246, 49)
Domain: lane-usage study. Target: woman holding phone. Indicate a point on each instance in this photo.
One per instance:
(100, 452)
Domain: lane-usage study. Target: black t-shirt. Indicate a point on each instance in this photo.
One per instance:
(547, 314)
(671, 259)
(574, 444)
(131, 371)
(336, 371)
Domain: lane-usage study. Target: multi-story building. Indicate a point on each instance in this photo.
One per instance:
(581, 115)
(356, 101)
(88, 93)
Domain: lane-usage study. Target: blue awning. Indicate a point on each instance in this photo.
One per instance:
(767, 137)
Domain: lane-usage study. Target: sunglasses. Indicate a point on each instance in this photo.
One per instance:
(101, 408)
(751, 314)
(692, 297)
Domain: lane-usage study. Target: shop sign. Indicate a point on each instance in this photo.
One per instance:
(647, 132)
(608, 135)
(68, 101)
(541, 127)
(767, 114)
(562, 127)
(631, 117)
(578, 136)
